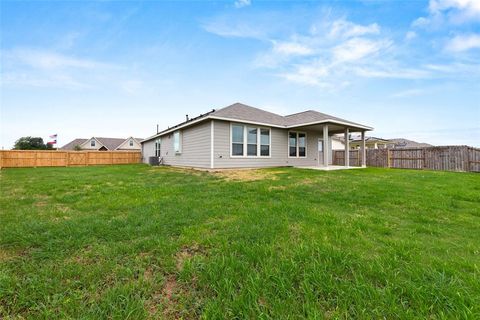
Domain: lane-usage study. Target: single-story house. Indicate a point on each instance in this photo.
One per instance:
(240, 136)
(402, 143)
(370, 143)
(104, 144)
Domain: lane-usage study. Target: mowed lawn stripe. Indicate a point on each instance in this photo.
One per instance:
(137, 242)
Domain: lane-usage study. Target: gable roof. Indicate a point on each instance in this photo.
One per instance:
(244, 113)
(405, 143)
(71, 145)
(109, 143)
(369, 139)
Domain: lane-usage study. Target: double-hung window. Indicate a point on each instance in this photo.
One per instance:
(252, 137)
(237, 140)
(264, 142)
(177, 142)
(92, 143)
(158, 144)
(130, 143)
(297, 144)
(249, 141)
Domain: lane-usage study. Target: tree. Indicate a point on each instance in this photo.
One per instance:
(77, 148)
(31, 143)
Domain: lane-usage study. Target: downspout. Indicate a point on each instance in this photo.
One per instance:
(212, 141)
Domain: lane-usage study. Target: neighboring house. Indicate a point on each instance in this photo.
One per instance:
(338, 143)
(104, 144)
(405, 143)
(370, 143)
(242, 136)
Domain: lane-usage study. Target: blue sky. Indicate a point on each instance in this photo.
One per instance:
(117, 69)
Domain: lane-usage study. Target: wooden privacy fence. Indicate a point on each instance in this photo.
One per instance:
(55, 158)
(447, 158)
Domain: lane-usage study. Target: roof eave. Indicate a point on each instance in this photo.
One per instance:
(343, 123)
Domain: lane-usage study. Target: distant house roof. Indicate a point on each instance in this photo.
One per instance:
(369, 139)
(72, 144)
(243, 113)
(109, 143)
(405, 143)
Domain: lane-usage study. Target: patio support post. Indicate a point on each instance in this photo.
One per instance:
(326, 150)
(347, 148)
(364, 151)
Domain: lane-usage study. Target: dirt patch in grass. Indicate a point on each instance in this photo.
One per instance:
(247, 174)
(171, 290)
(6, 254)
(275, 188)
(166, 297)
(186, 253)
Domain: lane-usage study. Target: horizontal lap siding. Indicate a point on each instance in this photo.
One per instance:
(278, 148)
(195, 147)
(148, 150)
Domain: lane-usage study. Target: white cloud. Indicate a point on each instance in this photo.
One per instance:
(41, 59)
(452, 11)
(347, 29)
(469, 8)
(44, 68)
(291, 48)
(408, 93)
(242, 3)
(410, 35)
(463, 43)
(358, 48)
(242, 29)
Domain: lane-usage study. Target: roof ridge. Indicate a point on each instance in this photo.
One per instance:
(288, 115)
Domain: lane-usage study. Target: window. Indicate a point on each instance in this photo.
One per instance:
(237, 140)
(177, 142)
(252, 137)
(250, 141)
(131, 142)
(302, 145)
(292, 144)
(92, 143)
(158, 144)
(265, 142)
(297, 144)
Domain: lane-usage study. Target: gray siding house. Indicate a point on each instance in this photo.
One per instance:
(240, 136)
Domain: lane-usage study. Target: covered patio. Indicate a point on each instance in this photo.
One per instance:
(324, 149)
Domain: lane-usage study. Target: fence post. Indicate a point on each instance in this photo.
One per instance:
(388, 158)
(468, 159)
(67, 158)
(1, 159)
(36, 159)
(87, 158)
(111, 157)
(424, 159)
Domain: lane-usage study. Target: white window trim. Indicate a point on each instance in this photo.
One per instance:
(297, 153)
(158, 147)
(245, 140)
(180, 138)
(94, 143)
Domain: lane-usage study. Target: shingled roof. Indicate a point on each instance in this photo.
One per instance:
(72, 144)
(109, 143)
(244, 113)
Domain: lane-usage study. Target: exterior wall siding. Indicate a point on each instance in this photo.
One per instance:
(195, 147)
(278, 150)
(148, 150)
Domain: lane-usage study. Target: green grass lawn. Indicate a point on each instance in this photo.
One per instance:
(138, 242)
